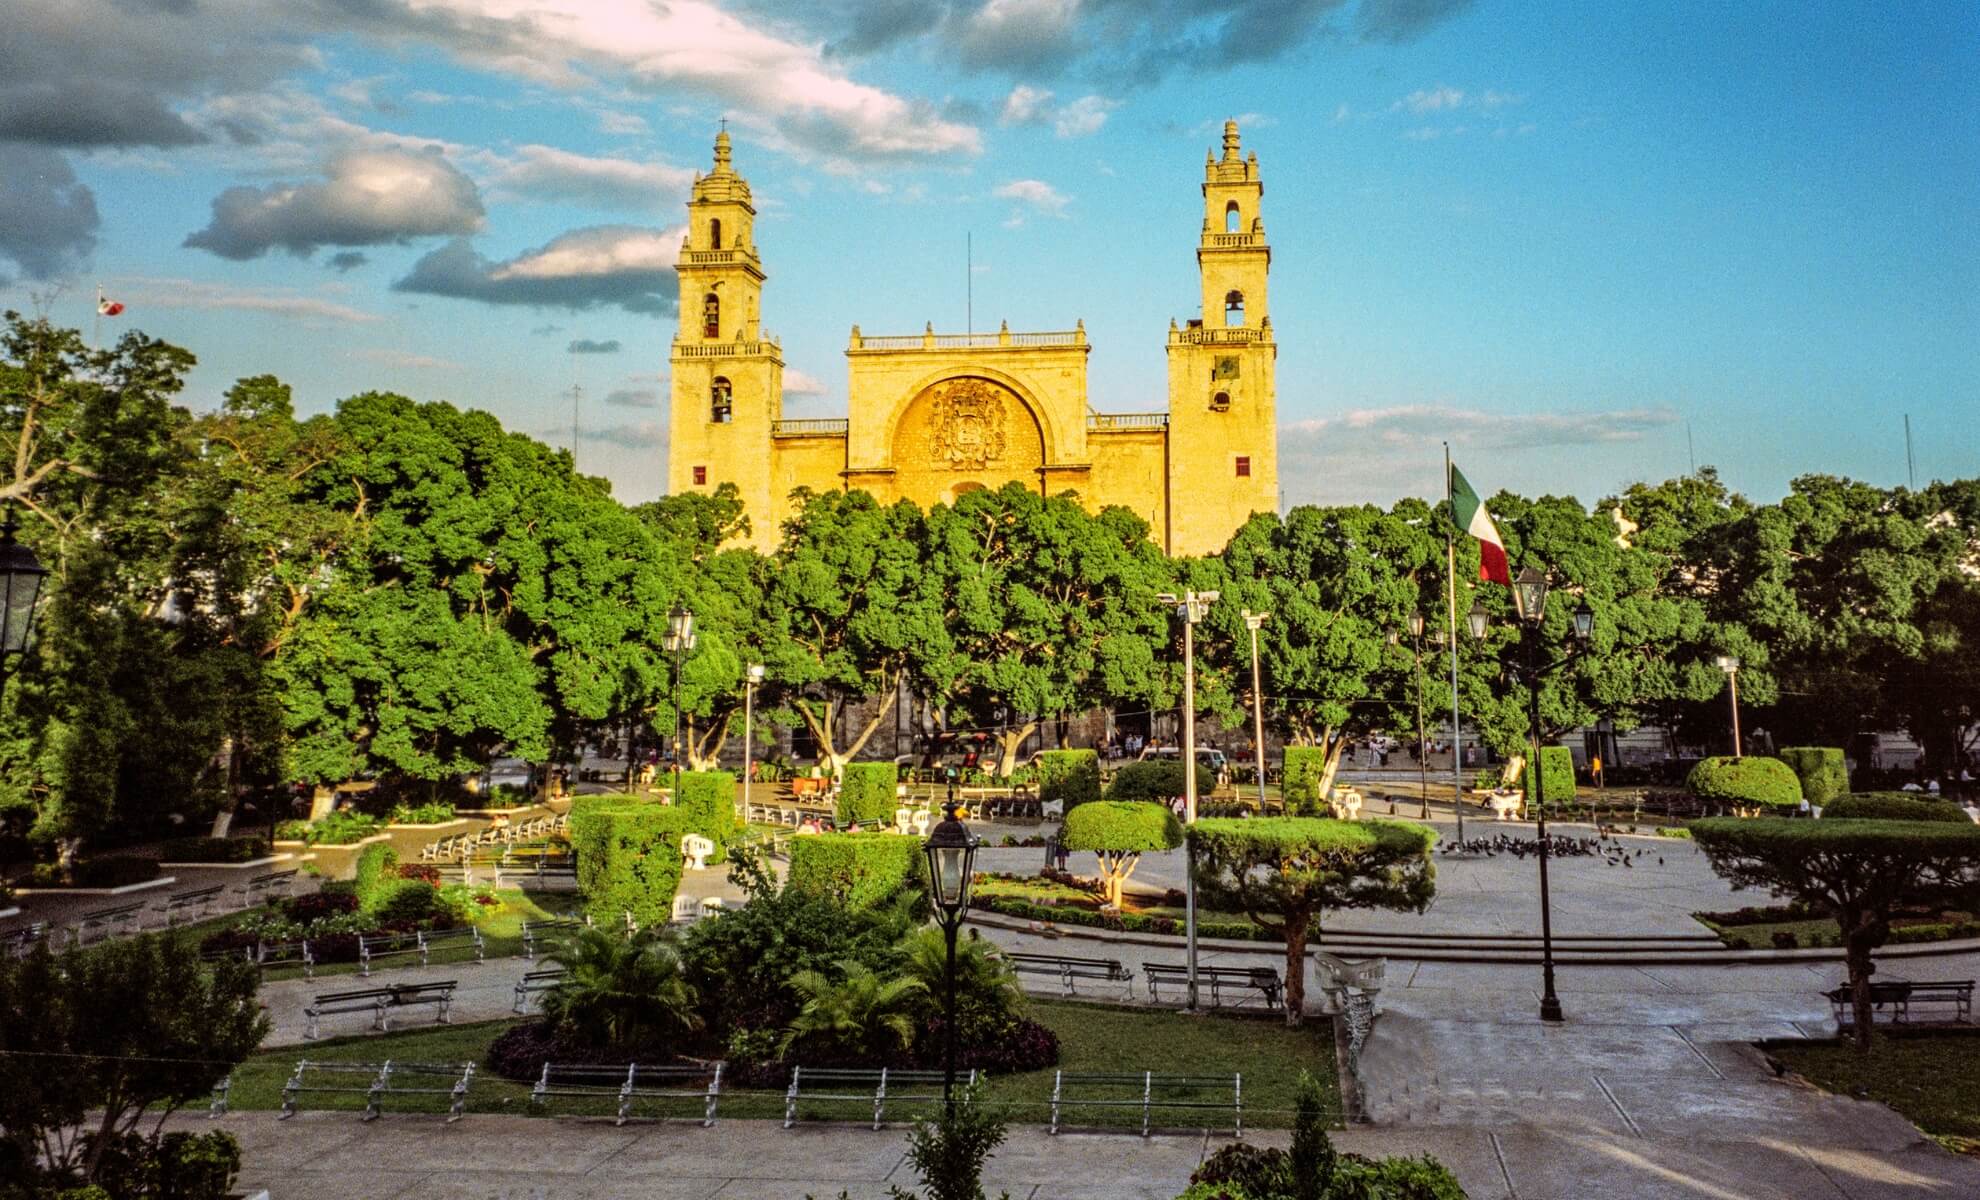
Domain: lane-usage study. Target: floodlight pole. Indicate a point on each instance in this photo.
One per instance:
(1252, 621)
(1192, 606)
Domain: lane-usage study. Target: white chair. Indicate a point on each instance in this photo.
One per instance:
(1052, 810)
(903, 819)
(921, 820)
(713, 906)
(696, 849)
(1346, 804)
(686, 910)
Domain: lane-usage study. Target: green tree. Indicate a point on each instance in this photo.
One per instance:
(1118, 832)
(1050, 609)
(859, 1015)
(1286, 871)
(852, 609)
(93, 1041)
(1862, 872)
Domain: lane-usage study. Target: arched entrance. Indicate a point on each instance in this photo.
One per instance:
(962, 433)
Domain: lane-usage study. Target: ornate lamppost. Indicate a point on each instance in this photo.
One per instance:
(678, 641)
(21, 576)
(1530, 597)
(951, 851)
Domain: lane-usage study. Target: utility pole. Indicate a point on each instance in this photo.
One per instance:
(1252, 621)
(1192, 607)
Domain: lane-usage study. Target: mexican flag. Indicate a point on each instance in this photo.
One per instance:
(1474, 520)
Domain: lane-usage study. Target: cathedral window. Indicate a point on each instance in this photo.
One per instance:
(715, 233)
(711, 315)
(1221, 402)
(1233, 308)
(1231, 218)
(1243, 466)
(720, 408)
(701, 476)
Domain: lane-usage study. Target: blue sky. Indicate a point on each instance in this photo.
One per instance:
(1569, 238)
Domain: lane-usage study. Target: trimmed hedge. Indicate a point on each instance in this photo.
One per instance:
(867, 792)
(377, 876)
(1157, 779)
(628, 859)
(213, 850)
(1893, 806)
(1745, 781)
(709, 800)
(860, 870)
(1072, 776)
(1302, 768)
(1556, 775)
(1121, 826)
(1823, 773)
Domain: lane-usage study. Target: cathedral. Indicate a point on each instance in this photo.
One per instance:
(933, 415)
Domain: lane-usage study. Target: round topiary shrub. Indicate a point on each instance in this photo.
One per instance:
(1893, 806)
(1157, 779)
(1745, 782)
(1823, 772)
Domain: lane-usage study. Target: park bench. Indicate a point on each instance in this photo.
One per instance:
(1264, 980)
(266, 884)
(558, 930)
(216, 1105)
(381, 1001)
(104, 922)
(863, 1085)
(377, 1081)
(1898, 996)
(280, 954)
(21, 942)
(1067, 969)
(533, 982)
(179, 904)
(628, 1085)
(421, 942)
(1148, 1092)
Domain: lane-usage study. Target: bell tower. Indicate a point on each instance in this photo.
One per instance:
(728, 375)
(1223, 399)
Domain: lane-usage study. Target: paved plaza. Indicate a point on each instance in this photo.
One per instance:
(1651, 1090)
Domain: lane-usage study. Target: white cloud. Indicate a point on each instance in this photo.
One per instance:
(1342, 114)
(787, 86)
(406, 360)
(621, 123)
(1036, 194)
(1026, 105)
(1083, 117)
(1492, 99)
(1423, 133)
(1437, 99)
(803, 383)
(547, 173)
(161, 292)
(625, 265)
(367, 198)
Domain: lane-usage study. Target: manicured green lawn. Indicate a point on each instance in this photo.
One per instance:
(1093, 1038)
(1933, 1079)
(1818, 932)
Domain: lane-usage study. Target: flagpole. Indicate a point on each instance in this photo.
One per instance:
(96, 329)
(1450, 596)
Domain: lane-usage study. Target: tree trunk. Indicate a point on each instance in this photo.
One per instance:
(223, 819)
(1335, 747)
(321, 801)
(1010, 740)
(1858, 942)
(1295, 935)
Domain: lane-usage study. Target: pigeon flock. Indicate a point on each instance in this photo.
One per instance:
(1612, 853)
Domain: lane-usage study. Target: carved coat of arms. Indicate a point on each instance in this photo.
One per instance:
(967, 424)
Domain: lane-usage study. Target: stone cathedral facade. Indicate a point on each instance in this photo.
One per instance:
(933, 415)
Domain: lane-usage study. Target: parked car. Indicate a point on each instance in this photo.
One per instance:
(1208, 756)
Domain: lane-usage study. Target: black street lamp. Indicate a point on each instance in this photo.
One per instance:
(678, 641)
(951, 853)
(1530, 597)
(21, 576)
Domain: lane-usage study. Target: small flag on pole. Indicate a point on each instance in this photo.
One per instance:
(106, 307)
(1473, 518)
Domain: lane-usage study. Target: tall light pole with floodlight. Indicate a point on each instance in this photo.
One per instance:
(1416, 680)
(679, 640)
(1192, 607)
(752, 676)
(1730, 665)
(1252, 621)
(951, 851)
(1530, 598)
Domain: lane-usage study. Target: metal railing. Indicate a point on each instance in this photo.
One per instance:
(1236, 239)
(1111, 422)
(930, 340)
(726, 349)
(1237, 335)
